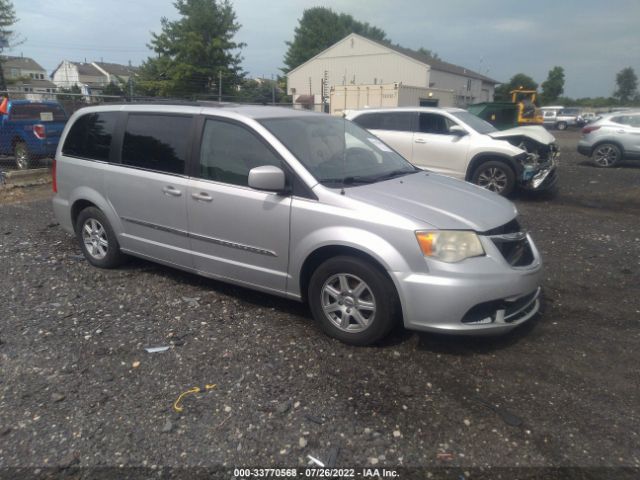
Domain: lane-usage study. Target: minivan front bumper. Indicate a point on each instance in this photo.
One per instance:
(483, 295)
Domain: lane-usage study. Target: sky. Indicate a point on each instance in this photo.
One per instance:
(591, 39)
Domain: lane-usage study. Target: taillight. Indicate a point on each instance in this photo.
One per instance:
(39, 131)
(54, 183)
(589, 129)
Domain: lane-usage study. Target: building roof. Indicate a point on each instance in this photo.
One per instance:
(33, 83)
(437, 64)
(25, 63)
(116, 69)
(420, 57)
(87, 69)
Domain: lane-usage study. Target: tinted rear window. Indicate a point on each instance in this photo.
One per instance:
(156, 142)
(90, 136)
(399, 121)
(38, 111)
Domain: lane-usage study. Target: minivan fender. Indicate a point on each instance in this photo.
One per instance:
(370, 244)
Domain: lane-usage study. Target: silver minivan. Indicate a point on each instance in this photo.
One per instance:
(301, 205)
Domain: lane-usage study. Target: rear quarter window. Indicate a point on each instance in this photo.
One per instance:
(38, 112)
(396, 121)
(90, 136)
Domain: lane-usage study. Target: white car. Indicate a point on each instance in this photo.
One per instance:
(454, 142)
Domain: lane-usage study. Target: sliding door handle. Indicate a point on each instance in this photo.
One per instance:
(202, 197)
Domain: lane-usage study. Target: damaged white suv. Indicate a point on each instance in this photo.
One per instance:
(454, 142)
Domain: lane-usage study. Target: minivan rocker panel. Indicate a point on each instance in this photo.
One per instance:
(361, 235)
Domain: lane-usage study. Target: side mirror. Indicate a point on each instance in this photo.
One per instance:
(457, 130)
(268, 178)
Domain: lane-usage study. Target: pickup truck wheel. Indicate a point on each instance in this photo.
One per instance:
(495, 176)
(606, 155)
(561, 126)
(97, 239)
(352, 300)
(22, 155)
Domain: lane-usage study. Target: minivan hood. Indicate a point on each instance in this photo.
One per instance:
(535, 132)
(442, 202)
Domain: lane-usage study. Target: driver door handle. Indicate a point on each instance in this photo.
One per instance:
(420, 140)
(171, 190)
(202, 197)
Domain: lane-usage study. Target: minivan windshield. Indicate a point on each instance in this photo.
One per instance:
(337, 152)
(474, 122)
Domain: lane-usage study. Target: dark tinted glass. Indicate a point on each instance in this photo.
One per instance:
(38, 111)
(229, 151)
(156, 142)
(433, 123)
(90, 136)
(399, 121)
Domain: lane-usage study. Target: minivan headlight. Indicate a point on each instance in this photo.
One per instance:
(449, 246)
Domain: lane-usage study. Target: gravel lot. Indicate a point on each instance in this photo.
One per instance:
(78, 389)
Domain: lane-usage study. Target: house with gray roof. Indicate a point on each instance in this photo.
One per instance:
(25, 76)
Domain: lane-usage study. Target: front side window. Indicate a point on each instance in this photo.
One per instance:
(90, 136)
(228, 151)
(434, 123)
(338, 152)
(156, 142)
(479, 125)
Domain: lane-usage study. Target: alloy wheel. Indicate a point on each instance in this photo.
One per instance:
(605, 155)
(348, 302)
(95, 240)
(494, 179)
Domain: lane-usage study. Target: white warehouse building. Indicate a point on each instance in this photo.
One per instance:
(356, 60)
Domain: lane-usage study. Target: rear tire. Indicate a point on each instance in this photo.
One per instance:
(561, 126)
(606, 155)
(353, 300)
(24, 159)
(97, 239)
(495, 176)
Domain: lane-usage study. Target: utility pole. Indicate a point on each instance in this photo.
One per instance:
(220, 86)
(273, 90)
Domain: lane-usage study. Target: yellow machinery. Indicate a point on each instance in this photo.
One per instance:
(528, 113)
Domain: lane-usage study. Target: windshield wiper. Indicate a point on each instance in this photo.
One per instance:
(351, 180)
(394, 174)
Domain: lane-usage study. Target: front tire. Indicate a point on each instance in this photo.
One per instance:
(495, 176)
(561, 126)
(97, 239)
(606, 155)
(352, 300)
(22, 155)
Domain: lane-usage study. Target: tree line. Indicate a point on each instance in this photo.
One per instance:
(626, 93)
(197, 56)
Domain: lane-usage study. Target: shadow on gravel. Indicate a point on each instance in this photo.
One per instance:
(209, 285)
(623, 164)
(473, 345)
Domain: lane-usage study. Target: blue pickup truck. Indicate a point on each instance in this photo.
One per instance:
(30, 130)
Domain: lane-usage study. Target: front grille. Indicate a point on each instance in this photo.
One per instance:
(517, 253)
(513, 307)
(502, 311)
(510, 227)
